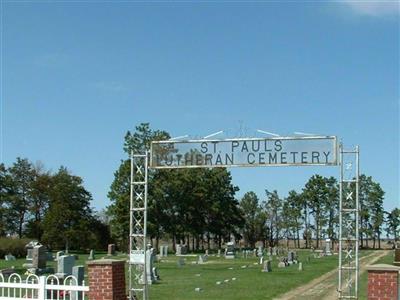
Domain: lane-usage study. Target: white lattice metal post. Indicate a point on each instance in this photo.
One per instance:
(138, 288)
(348, 224)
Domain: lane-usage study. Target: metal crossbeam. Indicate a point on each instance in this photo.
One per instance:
(348, 224)
(138, 288)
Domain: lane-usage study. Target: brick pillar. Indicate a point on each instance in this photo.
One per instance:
(106, 279)
(383, 282)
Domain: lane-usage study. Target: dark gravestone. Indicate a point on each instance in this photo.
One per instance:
(78, 272)
(111, 249)
(397, 257)
(91, 255)
(65, 264)
(39, 257)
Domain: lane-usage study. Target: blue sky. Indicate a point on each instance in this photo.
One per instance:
(77, 75)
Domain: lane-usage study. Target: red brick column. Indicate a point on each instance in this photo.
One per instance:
(106, 279)
(383, 282)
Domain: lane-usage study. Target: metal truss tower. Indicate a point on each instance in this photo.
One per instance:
(348, 223)
(138, 287)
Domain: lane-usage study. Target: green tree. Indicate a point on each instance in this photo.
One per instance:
(365, 188)
(254, 219)
(377, 212)
(6, 190)
(332, 207)
(372, 216)
(68, 218)
(119, 194)
(393, 224)
(273, 210)
(22, 176)
(317, 193)
(292, 215)
(39, 203)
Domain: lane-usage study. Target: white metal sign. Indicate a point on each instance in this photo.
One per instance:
(245, 152)
(137, 257)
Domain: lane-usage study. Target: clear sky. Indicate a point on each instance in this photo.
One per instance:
(77, 75)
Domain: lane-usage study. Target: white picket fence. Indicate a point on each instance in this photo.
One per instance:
(41, 288)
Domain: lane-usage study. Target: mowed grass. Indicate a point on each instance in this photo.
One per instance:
(179, 283)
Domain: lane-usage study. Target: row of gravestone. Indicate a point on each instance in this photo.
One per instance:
(229, 251)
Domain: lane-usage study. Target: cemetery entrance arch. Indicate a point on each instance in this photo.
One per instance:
(247, 152)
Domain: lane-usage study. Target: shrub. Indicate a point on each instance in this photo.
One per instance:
(14, 246)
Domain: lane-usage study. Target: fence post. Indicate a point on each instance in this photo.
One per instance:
(383, 282)
(106, 279)
(42, 288)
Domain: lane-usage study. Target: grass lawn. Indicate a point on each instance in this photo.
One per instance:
(179, 283)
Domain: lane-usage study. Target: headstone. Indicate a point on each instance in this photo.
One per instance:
(111, 250)
(178, 249)
(219, 253)
(65, 264)
(155, 273)
(9, 257)
(300, 266)
(396, 257)
(58, 254)
(274, 251)
(200, 259)
(29, 249)
(281, 264)
(328, 247)
(180, 262)
(290, 257)
(7, 272)
(149, 265)
(161, 251)
(261, 260)
(79, 273)
(166, 250)
(206, 252)
(260, 251)
(184, 249)
(267, 266)
(49, 256)
(91, 255)
(230, 250)
(29, 253)
(39, 257)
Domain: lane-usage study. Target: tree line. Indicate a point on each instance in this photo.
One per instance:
(192, 206)
(195, 206)
(313, 214)
(53, 208)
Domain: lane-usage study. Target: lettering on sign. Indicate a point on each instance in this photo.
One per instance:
(285, 151)
(137, 257)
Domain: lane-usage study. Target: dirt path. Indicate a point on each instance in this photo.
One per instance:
(324, 287)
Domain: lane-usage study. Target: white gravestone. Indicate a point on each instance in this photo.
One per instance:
(230, 250)
(267, 266)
